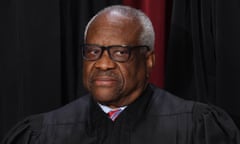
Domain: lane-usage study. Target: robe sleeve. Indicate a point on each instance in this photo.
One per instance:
(25, 132)
(213, 126)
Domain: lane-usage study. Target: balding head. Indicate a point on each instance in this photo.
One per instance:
(146, 35)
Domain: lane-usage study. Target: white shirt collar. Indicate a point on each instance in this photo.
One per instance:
(107, 109)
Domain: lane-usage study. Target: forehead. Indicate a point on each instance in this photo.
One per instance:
(113, 28)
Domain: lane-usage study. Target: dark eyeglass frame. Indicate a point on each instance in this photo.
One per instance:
(103, 48)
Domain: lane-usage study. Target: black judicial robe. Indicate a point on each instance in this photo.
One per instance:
(156, 117)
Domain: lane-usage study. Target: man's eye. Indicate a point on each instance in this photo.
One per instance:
(93, 51)
(121, 52)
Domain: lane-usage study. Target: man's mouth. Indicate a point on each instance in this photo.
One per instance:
(105, 81)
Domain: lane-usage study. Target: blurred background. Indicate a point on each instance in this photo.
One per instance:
(197, 48)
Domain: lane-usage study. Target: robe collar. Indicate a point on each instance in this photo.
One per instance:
(131, 116)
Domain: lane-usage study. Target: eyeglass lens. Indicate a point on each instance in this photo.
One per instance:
(116, 53)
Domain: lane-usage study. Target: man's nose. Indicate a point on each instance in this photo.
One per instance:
(105, 62)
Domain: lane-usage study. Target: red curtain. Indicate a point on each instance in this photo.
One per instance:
(155, 9)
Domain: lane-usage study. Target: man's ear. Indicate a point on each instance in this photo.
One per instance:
(150, 62)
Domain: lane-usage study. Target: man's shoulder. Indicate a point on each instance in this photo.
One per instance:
(166, 103)
(73, 112)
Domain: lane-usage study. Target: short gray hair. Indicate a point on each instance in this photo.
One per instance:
(147, 36)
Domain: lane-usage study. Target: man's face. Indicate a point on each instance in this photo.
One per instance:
(116, 83)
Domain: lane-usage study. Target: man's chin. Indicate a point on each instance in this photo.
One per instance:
(105, 95)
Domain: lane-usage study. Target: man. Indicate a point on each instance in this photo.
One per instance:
(118, 57)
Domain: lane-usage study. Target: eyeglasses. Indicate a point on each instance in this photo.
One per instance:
(118, 53)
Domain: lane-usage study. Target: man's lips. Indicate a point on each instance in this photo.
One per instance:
(104, 81)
